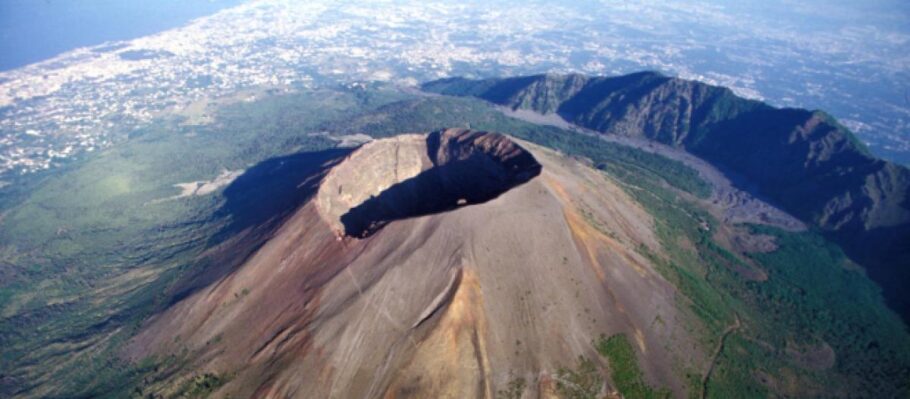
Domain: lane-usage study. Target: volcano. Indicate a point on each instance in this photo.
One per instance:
(448, 264)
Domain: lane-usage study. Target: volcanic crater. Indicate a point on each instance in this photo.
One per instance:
(414, 175)
(456, 303)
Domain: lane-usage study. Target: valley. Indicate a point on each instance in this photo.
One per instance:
(730, 203)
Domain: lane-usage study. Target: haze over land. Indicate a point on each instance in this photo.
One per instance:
(848, 59)
(463, 199)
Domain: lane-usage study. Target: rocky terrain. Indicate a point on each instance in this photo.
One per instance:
(428, 305)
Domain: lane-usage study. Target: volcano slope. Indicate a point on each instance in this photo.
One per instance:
(761, 310)
(455, 264)
(804, 161)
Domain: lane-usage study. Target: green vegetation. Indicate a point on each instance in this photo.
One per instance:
(90, 251)
(586, 380)
(811, 299)
(624, 371)
(201, 386)
(514, 390)
(583, 382)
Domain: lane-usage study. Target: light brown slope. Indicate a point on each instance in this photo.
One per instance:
(451, 304)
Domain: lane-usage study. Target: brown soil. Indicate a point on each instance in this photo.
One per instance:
(454, 303)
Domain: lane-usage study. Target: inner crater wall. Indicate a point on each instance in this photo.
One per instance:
(368, 171)
(415, 175)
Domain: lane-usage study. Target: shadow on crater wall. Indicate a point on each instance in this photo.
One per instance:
(469, 168)
(275, 187)
(255, 204)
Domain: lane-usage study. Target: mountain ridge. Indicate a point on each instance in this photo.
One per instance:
(805, 161)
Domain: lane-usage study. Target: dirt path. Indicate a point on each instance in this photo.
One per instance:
(717, 351)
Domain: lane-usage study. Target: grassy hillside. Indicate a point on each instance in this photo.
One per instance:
(93, 250)
(816, 326)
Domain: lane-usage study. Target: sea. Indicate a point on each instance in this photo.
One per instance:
(35, 30)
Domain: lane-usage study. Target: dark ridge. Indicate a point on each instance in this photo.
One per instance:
(469, 168)
(804, 161)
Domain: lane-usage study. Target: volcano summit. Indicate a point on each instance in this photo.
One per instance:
(428, 305)
(414, 175)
